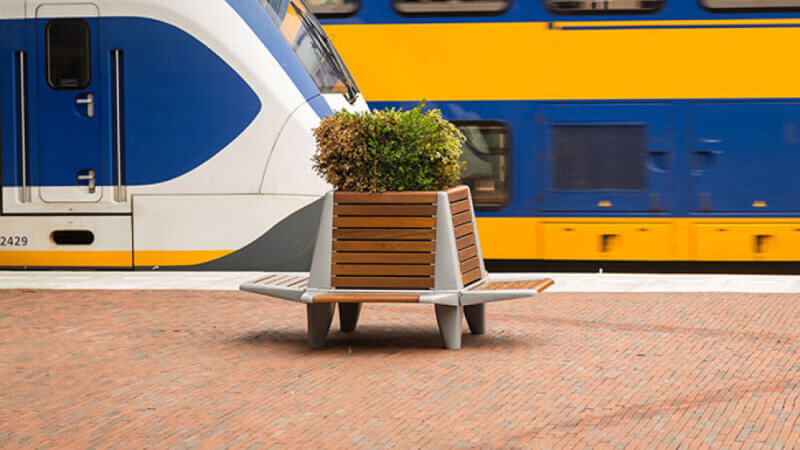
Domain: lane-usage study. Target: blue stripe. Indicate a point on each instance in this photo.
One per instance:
(320, 106)
(760, 149)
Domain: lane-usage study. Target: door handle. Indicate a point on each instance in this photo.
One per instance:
(89, 177)
(704, 159)
(89, 102)
(657, 161)
(708, 152)
(606, 241)
(760, 242)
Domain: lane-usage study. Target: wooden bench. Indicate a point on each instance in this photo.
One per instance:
(403, 247)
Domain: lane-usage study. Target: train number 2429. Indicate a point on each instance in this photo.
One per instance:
(13, 241)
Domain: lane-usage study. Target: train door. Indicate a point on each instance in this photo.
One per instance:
(745, 157)
(606, 158)
(69, 140)
(600, 161)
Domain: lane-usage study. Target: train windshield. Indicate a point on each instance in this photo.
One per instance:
(309, 41)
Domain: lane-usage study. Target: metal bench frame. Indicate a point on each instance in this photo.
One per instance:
(456, 284)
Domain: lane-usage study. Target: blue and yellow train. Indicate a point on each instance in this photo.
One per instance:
(622, 130)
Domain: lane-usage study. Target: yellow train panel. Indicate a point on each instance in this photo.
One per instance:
(637, 239)
(507, 237)
(747, 242)
(531, 61)
(611, 241)
(65, 258)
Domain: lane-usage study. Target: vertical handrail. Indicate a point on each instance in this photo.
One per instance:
(23, 128)
(119, 189)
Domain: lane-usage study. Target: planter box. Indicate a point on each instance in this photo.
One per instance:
(412, 247)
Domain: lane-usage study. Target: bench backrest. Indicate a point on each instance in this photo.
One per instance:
(469, 258)
(397, 241)
(383, 241)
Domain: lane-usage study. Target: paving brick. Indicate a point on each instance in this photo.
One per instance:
(216, 369)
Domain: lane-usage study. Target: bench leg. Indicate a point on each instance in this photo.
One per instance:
(319, 316)
(449, 319)
(476, 318)
(348, 316)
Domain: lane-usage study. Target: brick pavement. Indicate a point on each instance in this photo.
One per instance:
(172, 368)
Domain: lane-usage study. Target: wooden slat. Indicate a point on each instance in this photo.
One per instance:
(471, 276)
(384, 197)
(469, 252)
(265, 279)
(457, 193)
(384, 222)
(382, 282)
(279, 280)
(545, 284)
(479, 286)
(459, 207)
(462, 218)
(384, 210)
(504, 285)
(470, 264)
(465, 241)
(383, 269)
(384, 246)
(464, 230)
(365, 298)
(384, 258)
(406, 234)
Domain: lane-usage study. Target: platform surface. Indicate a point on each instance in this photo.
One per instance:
(192, 368)
(564, 282)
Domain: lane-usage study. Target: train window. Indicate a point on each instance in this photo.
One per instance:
(69, 61)
(451, 6)
(486, 153)
(305, 35)
(751, 4)
(325, 8)
(602, 6)
(598, 157)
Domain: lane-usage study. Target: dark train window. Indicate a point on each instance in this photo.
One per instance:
(451, 6)
(602, 6)
(751, 4)
(333, 7)
(598, 157)
(69, 54)
(486, 153)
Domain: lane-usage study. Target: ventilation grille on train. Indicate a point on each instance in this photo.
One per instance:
(598, 157)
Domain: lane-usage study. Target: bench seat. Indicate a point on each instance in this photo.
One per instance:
(293, 286)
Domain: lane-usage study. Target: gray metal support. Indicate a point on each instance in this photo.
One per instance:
(447, 276)
(319, 316)
(348, 316)
(320, 276)
(449, 320)
(476, 318)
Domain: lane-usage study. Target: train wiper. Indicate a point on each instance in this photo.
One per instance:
(338, 63)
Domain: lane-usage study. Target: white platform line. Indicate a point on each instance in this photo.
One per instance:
(565, 282)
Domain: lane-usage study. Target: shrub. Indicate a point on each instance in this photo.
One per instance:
(389, 150)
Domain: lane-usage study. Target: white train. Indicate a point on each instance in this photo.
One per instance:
(171, 134)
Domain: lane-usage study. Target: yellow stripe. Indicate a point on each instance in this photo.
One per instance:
(143, 258)
(528, 61)
(63, 258)
(674, 23)
(176, 257)
(641, 239)
(579, 238)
